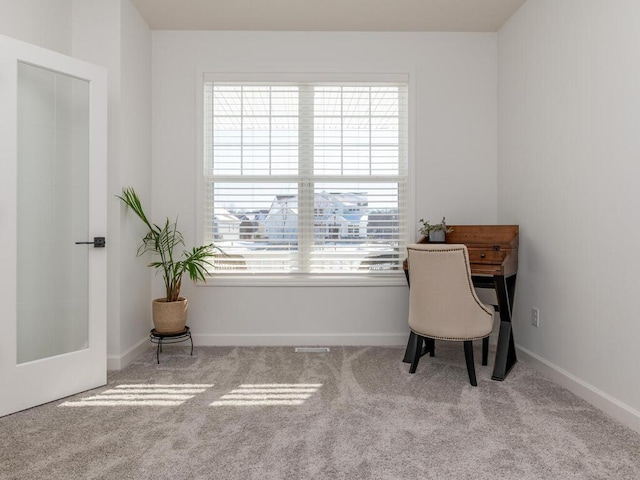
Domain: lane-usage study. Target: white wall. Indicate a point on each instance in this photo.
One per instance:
(135, 170)
(45, 23)
(569, 150)
(455, 154)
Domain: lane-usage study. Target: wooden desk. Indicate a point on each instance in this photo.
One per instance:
(493, 257)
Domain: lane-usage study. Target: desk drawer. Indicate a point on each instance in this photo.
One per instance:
(487, 255)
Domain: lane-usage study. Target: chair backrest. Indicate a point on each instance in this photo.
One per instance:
(442, 300)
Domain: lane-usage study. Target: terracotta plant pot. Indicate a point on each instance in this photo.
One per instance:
(169, 317)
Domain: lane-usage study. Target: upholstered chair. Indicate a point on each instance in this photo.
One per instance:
(443, 304)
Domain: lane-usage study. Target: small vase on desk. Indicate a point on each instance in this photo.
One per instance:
(437, 236)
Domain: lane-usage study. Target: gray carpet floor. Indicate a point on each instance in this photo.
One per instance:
(354, 413)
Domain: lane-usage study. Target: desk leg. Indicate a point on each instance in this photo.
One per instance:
(506, 351)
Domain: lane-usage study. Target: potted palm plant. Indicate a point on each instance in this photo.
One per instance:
(169, 312)
(437, 232)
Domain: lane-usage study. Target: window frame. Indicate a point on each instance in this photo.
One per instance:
(393, 278)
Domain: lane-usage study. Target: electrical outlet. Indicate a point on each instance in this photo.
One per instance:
(535, 317)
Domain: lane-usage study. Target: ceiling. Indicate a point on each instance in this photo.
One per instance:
(329, 15)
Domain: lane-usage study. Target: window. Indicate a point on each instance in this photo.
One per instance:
(305, 177)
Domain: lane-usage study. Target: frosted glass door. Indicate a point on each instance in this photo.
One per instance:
(53, 125)
(53, 212)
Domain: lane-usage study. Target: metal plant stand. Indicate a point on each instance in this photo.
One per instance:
(167, 338)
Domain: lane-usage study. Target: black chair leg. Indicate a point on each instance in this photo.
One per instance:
(468, 355)
(431, 346)
(417, 353)
(485, 350)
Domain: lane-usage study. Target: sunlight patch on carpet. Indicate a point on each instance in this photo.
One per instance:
(146, 395)
(260, 394)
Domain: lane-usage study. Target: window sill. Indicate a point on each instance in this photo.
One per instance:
(292, 280)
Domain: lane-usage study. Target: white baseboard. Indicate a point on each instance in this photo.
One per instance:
(605, 402)
(303, 340)
(118, 362)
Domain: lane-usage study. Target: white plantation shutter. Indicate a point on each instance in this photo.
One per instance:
(305, 177)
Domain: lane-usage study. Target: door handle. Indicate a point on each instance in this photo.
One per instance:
(98, 242)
